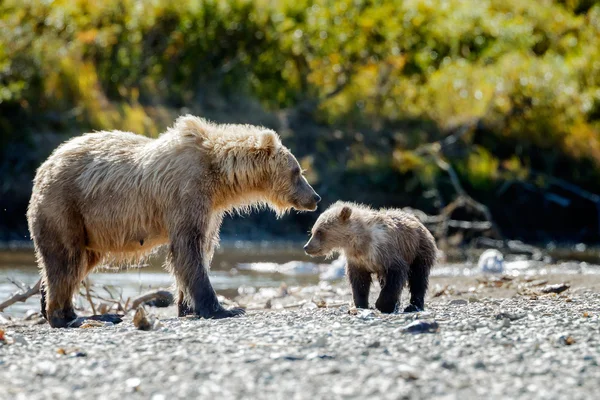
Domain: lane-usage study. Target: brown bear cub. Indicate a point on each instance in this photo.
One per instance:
(108, 196)
(390, 243)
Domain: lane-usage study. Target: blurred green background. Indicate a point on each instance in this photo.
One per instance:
(355, 88)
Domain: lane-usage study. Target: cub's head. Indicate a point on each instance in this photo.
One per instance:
(288, 188)
(331, 232)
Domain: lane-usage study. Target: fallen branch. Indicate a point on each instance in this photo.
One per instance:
(162, 295)
(435, 151)
(21, 297)
(86, 284)
(433, 220)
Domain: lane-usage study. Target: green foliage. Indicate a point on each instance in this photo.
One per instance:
(380, 77)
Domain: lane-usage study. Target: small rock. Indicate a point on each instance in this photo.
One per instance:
(491, 261)
(309, 306)
(558, 288)
(312, 356)
(45, 368)
(73, 352)
(448, 365)
(479, 365)
(320, 303)
(566, 340)
(366, 314)
(407, 372)
(459, 302)
(374, 345)
(140, 320)
(320, 342)
(133, 383)
(510, 316)
(421, 327)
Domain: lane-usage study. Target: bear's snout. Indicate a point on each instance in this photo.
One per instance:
(317, 198)
(310, 248)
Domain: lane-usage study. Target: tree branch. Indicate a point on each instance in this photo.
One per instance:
(22, 296)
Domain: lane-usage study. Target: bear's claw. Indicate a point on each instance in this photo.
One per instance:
(412, 308)
(220, 313)
(225, 313)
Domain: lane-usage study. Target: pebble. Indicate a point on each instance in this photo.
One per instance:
(421, 327)
(497, 348)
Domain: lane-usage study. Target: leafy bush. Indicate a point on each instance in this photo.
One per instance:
(356, 85)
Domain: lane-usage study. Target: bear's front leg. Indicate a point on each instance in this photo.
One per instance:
(197, 295)
(360, 280)
(389, 296)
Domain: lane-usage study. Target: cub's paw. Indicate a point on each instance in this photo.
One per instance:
(412, 308)
(386, 306)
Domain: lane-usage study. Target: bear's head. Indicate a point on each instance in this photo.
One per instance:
(256, 168)
(287, 186)
(332, 231)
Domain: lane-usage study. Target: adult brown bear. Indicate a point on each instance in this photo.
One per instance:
(117, 195)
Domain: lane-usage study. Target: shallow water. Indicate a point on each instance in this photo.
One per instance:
(241, 264)
(20, 266)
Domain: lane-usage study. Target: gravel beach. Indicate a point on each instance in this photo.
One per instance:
(492, 338)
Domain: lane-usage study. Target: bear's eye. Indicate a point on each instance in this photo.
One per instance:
(319, 233)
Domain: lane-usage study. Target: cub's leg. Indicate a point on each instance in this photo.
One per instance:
(360, 280)
(392, 283)
(418, 281)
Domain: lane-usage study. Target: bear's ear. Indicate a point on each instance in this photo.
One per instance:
(268, 141)
(345, 213)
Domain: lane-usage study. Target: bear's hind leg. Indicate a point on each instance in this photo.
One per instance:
(360, 280)
(418, 281)
(61, 270)
(91, 259)
(389, 296)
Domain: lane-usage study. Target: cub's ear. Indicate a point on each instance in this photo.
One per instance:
(345, 213)
(269, 141)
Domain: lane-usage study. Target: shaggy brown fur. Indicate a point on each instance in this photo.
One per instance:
(117, 196)
(389, 243)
